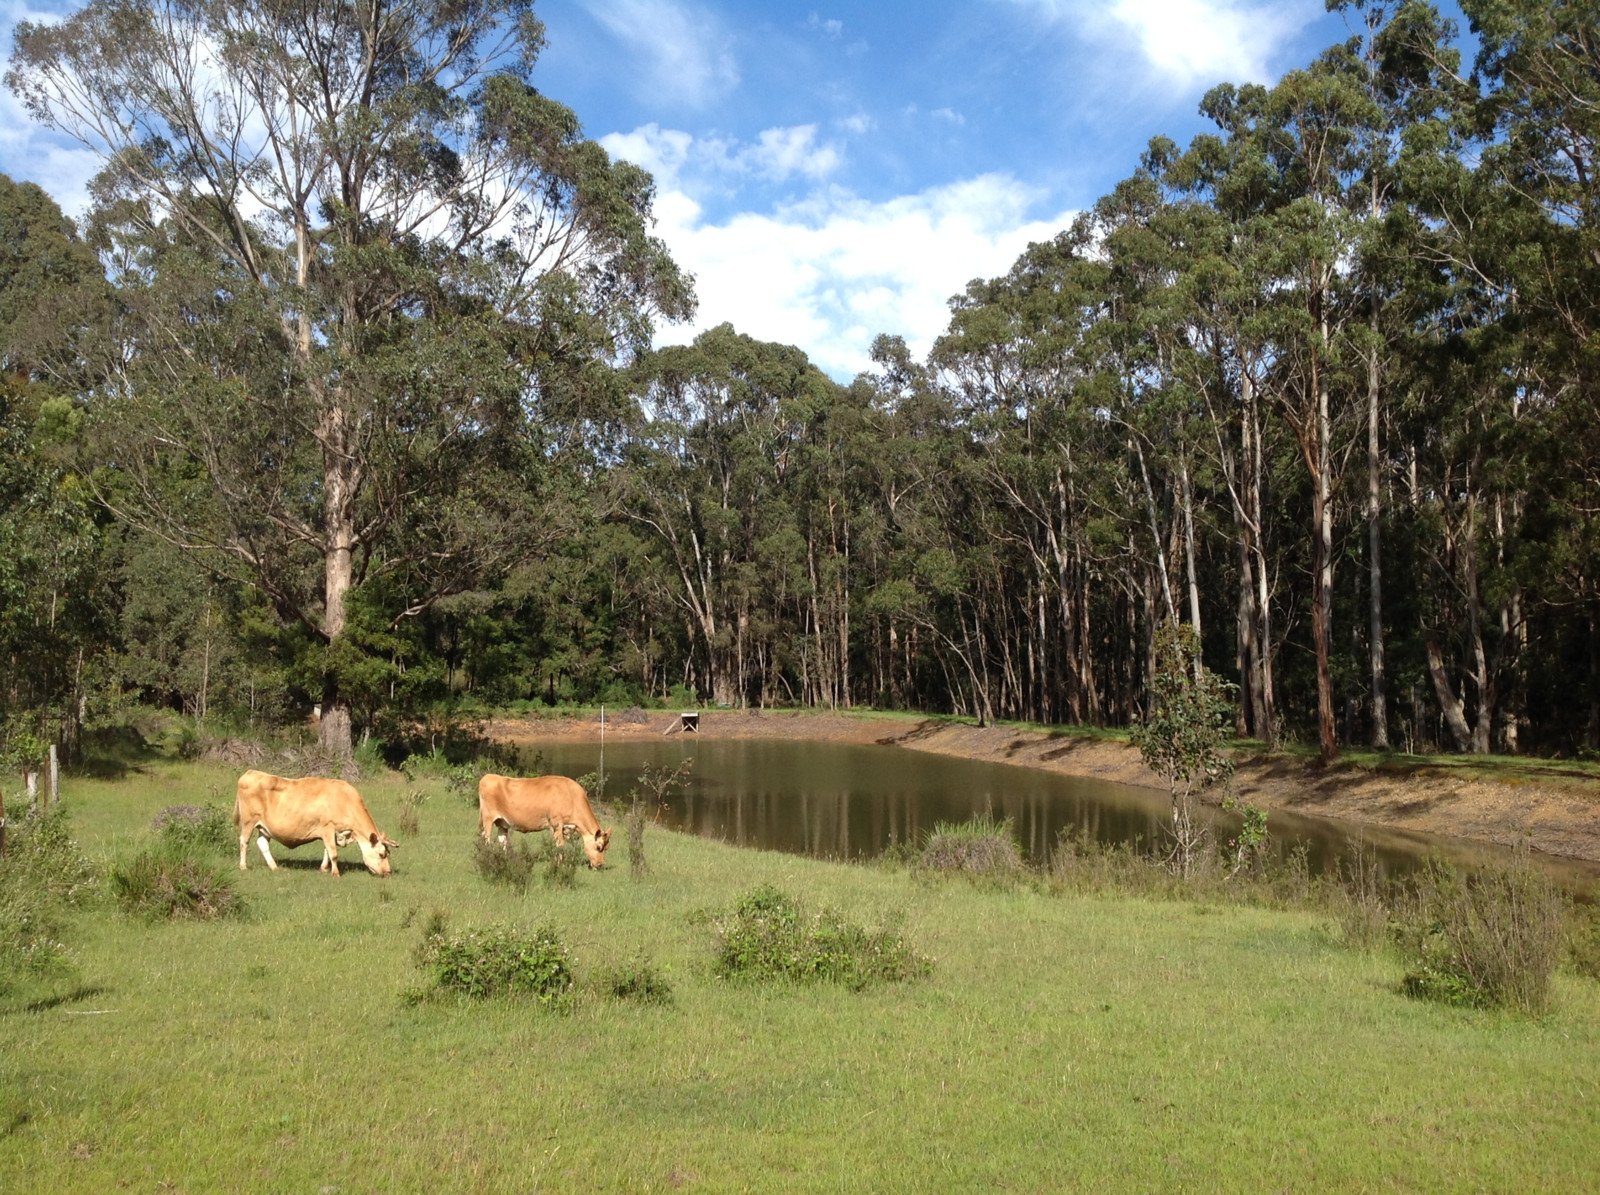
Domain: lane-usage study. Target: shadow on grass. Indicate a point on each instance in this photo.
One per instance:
(111, 752)
(75, 996)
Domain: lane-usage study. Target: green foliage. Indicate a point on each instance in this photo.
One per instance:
(368, 757)
(1583, 940)
(512, 864)
(648, 797)
(1188, 724)
(163, 883)
(1247, 847)
(1489, 938)
(769, 936)
(199, 829)
(410, 818)
(1185, 730)
(562, 860)
(1359, 901)
(980, 849)
(637, 980)
(42, 876)
(495, 961)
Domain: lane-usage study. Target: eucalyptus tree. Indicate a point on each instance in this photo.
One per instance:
(364, 259)
(1015, 355)
(56, 607)
(1301, 144)
(708, 473)
(1402, 60)
(1538, 122)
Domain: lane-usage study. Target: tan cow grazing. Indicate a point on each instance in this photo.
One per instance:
(552, 802)
(296, 812)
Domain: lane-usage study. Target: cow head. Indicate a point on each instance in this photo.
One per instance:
(595, 847)
(375, 850)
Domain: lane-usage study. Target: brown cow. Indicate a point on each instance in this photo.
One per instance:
(296, 812)
(535, 804)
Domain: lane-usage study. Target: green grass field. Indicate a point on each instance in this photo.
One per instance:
(1062, 1042)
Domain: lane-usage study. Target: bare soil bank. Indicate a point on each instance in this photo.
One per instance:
(1560, 815)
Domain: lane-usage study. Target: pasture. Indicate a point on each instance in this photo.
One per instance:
(1061, 1041)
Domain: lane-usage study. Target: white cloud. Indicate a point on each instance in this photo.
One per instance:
(675, 158)
(829, 28)
(1190, 42)
(832, 271)
(686, 55)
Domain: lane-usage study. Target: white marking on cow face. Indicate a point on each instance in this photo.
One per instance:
(375, 854)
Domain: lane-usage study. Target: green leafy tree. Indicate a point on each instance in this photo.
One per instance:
(1184, 735)
(368, 267)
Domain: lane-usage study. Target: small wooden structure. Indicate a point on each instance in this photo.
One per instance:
(688, 722)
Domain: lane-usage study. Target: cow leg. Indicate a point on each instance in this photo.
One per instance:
(244, 849)
(266, 853)
(330, 855)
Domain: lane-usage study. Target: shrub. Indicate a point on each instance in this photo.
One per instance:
(202, 829)
(1358, 899)
(561, 860)
(161, 882)
(1488, 939)
(410, 819)
(511, 864)
(1184, 735)
(650, 796)
(768, 936)
(368, 758)
(462, 779)
(980, 848)
(637, 979)
(497, 960)
(1583, 941)
(43, 875)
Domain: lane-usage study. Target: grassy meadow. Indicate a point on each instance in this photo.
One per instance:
(1062, 1042)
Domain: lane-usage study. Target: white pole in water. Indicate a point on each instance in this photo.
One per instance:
(602, 791)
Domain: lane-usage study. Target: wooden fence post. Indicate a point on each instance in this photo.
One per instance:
(53, 777)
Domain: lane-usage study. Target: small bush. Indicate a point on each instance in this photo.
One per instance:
(462, 780)
(367, 758)
(561, 861)
(495, 961)
(203, 829)
(1583, 941)
(42, 876)
(1488, 939)
(637, 979)
(160, 883)
(410, 818)
(768, 936)
(981, 848)
(1358, 899)
(511, 864)
(648, 798)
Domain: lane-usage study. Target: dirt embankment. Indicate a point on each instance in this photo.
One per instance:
(1560, 815)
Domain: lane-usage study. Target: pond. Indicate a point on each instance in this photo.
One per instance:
(849, 801)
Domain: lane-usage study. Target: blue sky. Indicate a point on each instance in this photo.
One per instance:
(832, 172)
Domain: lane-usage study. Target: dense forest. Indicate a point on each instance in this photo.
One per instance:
(343, 395)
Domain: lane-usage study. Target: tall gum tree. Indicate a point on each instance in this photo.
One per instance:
(367, 260)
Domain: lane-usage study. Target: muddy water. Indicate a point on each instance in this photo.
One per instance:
(847, 801)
